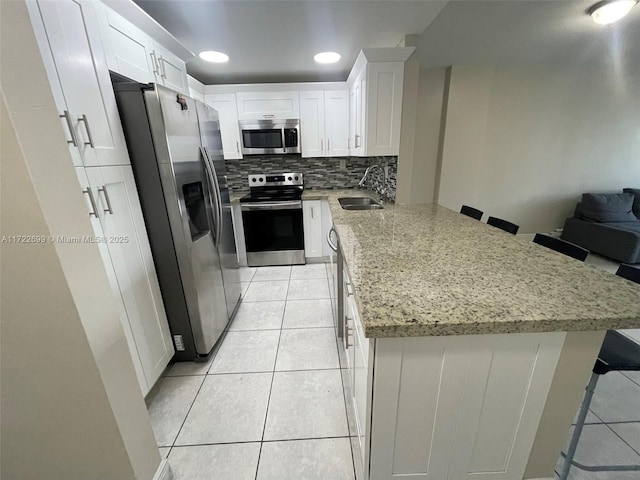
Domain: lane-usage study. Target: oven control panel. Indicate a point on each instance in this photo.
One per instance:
(276, 179)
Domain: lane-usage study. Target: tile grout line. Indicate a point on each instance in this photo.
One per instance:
(245, 442)
(623, 440)
(273, 374)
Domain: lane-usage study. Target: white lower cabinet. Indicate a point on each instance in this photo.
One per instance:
(312, 224)
(119, 225)
(445, 408)
(459, 407)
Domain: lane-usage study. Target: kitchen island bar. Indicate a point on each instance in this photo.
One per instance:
(467, 348)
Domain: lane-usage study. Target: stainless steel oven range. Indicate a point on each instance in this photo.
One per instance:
(272, 219)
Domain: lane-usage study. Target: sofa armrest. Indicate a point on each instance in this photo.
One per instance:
(613, 242)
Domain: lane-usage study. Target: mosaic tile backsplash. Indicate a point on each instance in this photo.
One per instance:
(318, 172)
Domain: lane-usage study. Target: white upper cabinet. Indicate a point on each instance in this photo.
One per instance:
(225, 104)
(268, 105)
(128, 49)
(324, 121)
(383, 108)
(170, 70)
(336, 114)
(312, 124)
(135, 55)
(87, 106)
(375, 106)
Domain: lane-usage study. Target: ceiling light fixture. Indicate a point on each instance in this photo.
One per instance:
(214, 57)
(607, 12)
(327, 57)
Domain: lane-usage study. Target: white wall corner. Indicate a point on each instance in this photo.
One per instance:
(164, 471)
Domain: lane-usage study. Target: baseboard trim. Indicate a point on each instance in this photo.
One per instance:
(164, 471)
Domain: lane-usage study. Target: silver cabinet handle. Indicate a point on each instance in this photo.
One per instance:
(346, 332)
(155, 63)
(349, 290)
(163, 71)
(328, 146)
(72, 132)
(84, 119)
(332, 245)
(93, 202)
(357, 137)
(269, 116)
(311, 213)
(237, 147)
(103, 189)
(322, 145)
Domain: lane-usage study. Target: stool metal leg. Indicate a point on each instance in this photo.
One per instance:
(579, 424)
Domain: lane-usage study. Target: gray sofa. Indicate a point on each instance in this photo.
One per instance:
(607, 224)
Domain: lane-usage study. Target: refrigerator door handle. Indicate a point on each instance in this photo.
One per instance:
(216, 193)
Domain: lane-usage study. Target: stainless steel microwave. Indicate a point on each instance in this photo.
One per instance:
(270, 136)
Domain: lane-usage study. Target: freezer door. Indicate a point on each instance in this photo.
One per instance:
(226, 243)
(190, 201)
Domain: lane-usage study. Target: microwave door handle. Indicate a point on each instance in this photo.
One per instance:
(212, 196)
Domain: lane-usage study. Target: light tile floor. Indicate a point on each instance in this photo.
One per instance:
(611, 435)
(270, 403)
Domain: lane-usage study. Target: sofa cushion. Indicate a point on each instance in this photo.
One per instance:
(636, 199)
(608, 207)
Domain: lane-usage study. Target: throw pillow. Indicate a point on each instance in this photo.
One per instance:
(636, 199)
(608, 207)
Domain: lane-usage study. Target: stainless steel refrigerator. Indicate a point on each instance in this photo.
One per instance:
(176, 152)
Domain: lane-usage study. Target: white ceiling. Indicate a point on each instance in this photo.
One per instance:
(275, 40)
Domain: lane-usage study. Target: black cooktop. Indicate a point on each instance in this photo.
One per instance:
(268, 194)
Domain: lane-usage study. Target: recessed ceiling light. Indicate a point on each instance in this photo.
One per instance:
(604, 13)
(214, 57)
(326, 57)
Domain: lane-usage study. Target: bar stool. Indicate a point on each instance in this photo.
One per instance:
(618, 353)
(503, 225)
(562, 246)
(471, 212)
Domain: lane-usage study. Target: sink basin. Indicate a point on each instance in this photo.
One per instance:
(359, 203)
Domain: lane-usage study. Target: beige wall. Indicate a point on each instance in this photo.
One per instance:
(71, 404)
(523, 143)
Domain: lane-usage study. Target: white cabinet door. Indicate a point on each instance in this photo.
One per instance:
(226, 106)
(356, 115)
(128, 49)
(459, 407)
(312, 224)
(336, 123)
(172, 72)
(76, 45)
(383, 108)
(312, 124)
(126, 235)
(257, 105)
(92, 207)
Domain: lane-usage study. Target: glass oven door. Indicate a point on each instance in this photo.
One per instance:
(271, 227)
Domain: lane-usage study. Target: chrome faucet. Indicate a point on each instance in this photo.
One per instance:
(366, 174)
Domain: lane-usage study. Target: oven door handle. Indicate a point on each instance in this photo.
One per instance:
(293, 205)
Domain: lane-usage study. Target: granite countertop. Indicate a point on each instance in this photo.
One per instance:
(425, 270)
